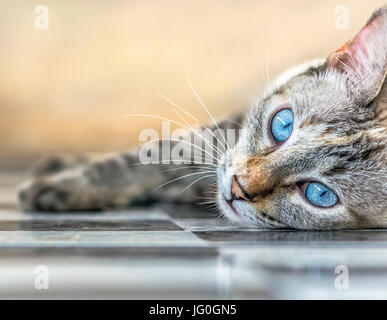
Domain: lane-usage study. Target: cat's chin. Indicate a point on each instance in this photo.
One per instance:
(241, 214)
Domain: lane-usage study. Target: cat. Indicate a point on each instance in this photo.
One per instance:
(312, 154)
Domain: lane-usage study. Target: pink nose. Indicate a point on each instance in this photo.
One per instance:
(237, 191)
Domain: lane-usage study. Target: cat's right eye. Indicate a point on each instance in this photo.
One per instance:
(281, 126)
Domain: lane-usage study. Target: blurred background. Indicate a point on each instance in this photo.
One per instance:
(65, 89)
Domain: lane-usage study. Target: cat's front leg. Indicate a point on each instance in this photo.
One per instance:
(113, 182)
(62, 184)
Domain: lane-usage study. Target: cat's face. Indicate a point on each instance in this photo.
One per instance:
(312, 154)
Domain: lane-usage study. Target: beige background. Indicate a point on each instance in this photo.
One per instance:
(64, 89)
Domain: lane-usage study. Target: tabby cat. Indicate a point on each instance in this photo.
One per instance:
(312, 153)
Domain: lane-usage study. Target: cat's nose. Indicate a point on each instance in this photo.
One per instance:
(237, 190)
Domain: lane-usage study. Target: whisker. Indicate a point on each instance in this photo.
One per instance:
(206, 198)
(197, 180)
(181, 117)
(172, 121)
(169, 162)
(267, 73)
(209, 201)
(204, 106)
(162, 95)
(209, 206)
(188, 167)
(218, 151)
(179, 178)
(210, 191)
(178, 140)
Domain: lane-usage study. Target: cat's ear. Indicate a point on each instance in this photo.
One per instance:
(363, 59)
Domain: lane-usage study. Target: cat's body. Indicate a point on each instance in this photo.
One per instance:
(338, 141)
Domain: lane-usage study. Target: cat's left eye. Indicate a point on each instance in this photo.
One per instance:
(320, 195)
(282, 125)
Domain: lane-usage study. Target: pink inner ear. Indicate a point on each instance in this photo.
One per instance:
(358, 52)
(358, 48)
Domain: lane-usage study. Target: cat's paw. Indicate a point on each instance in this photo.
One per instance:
(40, 195)
(55, 164)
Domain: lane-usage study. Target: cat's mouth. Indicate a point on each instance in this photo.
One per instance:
(229, 204)
(230, 210)
(260, 217)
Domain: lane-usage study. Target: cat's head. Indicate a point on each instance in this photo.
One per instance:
(313, 153)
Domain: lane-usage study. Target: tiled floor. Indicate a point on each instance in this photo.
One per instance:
(179, 252)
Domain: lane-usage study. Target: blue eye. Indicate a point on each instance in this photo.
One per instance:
(282, 125)
(320, 195)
